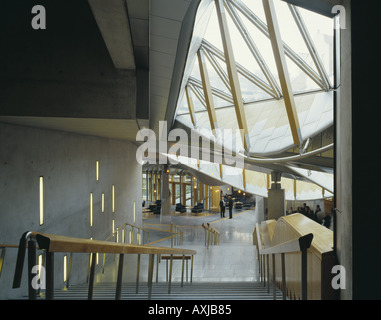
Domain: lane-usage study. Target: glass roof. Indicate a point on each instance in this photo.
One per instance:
(320, 29)
(307, 39)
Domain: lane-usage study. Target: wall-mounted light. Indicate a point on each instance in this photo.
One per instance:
(40, 263)
(103, 203)
(65, 268)
(97, 170)
(113, 198)
(41, 201)
(134, 213)
(91, 209)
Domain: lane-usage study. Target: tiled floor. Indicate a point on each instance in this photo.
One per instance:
(234, 259)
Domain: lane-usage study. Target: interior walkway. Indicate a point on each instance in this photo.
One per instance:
(233, 260)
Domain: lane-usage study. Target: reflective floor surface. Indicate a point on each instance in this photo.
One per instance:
(233, 259)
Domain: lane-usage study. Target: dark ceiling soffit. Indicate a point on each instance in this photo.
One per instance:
(139, 26)
(181, 60)
(319, 6)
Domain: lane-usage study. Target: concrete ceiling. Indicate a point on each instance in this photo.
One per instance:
(139, 35)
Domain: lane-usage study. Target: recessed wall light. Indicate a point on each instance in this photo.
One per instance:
(113, 198)
(41, 201)
(91, 209)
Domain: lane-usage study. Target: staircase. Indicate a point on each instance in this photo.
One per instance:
(193, 291)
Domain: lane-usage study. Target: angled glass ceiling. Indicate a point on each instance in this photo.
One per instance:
(308, 46)
(306, 40)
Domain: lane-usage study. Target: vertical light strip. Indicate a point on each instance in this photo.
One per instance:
(65, 268)
(103, 202)
(113, 198)
(91, 209)
(39, 265)
(97, 170)
(134, 212)
(113, 226)
(41, 200)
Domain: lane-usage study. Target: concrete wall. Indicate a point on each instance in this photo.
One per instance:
(344, 156)
(67, 162)
(64, 70)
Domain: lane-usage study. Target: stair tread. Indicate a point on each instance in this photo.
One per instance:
(190, 291)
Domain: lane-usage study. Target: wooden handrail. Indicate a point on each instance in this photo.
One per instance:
(296, 245)
(4, 245)
(55, 243)
(215, 233)
(300, 244)
(209, 228)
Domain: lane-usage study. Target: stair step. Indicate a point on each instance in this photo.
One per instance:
(190, 291)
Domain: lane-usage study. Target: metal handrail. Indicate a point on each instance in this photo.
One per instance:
(54, 243)
(300, 244)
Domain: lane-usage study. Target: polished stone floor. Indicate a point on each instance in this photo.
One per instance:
(233, 259)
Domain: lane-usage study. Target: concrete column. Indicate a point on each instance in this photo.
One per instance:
(165, 215)
(156, 186)
(150, 186)
(260, 208)
(181, 186)
(147, 186)
(276, 199)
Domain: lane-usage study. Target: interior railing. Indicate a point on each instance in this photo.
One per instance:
(285, 246)
(300, 244)
(55, 243)
(212, 235)
(176, 234)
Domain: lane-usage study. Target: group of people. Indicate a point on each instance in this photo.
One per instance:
(226, 202)
(318, 215)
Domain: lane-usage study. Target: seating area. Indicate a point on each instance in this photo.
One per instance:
(238, 205)
(180, 208)
(155, 208)
(243, 203)
(198, 208)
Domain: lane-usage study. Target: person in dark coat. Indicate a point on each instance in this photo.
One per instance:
(222, 207)
(327, 220)
(230, 204)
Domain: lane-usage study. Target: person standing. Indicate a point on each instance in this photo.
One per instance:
(222, 207)
(230, 204)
